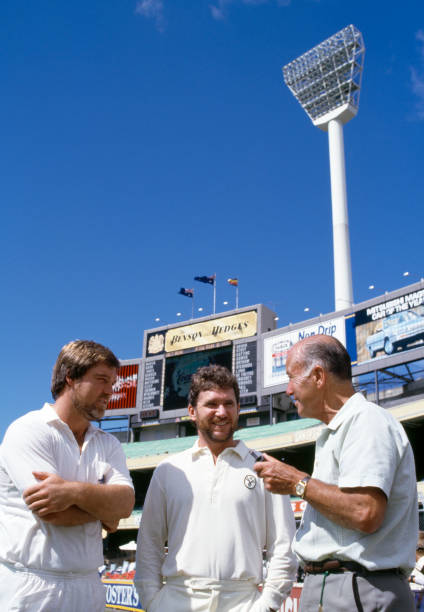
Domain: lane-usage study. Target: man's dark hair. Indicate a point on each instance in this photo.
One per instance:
(327, 352)
(76, 358)
(210, 377)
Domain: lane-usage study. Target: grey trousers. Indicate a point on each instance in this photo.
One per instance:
(348, 592)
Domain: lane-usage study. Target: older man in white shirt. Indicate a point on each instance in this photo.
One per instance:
(216, 517)
(61, 479)
(358, 533)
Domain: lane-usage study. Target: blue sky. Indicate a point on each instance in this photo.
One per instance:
(146, 142)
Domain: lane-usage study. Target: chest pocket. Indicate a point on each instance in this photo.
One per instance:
(326, 465)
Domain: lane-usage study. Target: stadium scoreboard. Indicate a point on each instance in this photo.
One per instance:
(172, 354)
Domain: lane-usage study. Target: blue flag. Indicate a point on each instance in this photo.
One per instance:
(206, 279)
(186, 292)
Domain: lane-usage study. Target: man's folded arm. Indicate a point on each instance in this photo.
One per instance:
(104, 502)
(70, 517)
(73, 516)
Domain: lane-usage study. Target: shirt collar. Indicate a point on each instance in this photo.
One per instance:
(49, 414)
(240, 449)
(344, 412)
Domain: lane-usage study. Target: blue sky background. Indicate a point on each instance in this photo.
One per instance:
(144, 143)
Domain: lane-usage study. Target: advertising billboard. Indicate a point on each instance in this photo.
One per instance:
(195, 335)
(124, 397)
(390, 327)
(276, 347)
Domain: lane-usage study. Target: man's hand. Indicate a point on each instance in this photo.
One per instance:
(110, 526)
(279, 477)
(361, 508)
(50, 495)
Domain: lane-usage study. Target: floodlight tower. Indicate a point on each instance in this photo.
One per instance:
(326, 81)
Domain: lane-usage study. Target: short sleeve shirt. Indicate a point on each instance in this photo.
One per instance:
(41, 441)
(364, 446)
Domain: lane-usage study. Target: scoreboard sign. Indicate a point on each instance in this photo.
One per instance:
(152, 384)
(173, 354)
(195, 335)
(245, 366)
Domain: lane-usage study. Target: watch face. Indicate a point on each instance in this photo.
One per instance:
(300, 489)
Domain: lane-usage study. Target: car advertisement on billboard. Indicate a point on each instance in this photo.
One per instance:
(276, 347)
(390, 327)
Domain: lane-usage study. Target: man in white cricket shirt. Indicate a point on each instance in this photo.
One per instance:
(61, 480)
(216, 517)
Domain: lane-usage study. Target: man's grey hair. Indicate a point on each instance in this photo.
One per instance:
(326, 351)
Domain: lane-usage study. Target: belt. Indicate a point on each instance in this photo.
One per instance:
(333, 566)
(62, 575)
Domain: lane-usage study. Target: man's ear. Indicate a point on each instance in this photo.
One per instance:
(69, 381)
(320, 376)
(192, 412)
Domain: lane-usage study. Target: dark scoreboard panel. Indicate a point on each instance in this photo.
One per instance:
(167, 379)
(245, 360)
(179, 370)
(152, 384)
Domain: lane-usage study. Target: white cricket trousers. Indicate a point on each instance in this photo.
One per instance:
(180, 594)
(24, 590)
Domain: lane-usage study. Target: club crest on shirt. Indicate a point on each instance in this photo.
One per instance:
(250, 481)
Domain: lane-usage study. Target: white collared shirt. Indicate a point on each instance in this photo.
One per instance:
(41, 441)
(217, 518)
(364, 446)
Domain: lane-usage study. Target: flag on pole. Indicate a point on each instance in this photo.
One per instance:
(233, 281)
(206, 279)
(187, 292)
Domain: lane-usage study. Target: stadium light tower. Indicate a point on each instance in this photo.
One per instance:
(326, 81)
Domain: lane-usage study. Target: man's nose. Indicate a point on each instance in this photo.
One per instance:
(109, 388)
(221, 410)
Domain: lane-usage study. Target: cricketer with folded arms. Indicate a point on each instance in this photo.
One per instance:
(61, 480)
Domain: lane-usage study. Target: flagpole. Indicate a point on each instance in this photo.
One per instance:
(192, 306)
(236, 297)
(214, 293)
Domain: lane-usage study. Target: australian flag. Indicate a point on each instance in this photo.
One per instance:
(206, 279)
(186, 292)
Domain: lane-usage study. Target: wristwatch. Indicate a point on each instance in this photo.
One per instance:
(300, 487)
